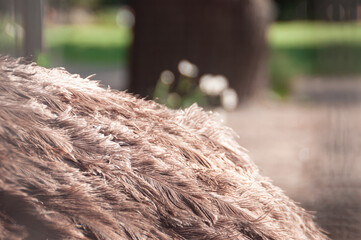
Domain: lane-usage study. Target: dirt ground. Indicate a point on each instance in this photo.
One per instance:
(311, 149)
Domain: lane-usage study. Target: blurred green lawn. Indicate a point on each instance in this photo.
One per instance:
(312, 48)
(296, 48)
(102, 42)
(311, 34)
(90, 43)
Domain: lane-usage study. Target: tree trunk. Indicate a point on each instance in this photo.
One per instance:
(220, 36)
(31, 17)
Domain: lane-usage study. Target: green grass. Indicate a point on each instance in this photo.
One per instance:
(102, 42)
(313, 34)
(312, 48)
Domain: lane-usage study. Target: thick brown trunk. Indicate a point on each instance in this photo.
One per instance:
(32, 22)
(220, 36)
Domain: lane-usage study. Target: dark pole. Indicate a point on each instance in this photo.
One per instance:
(31, 13)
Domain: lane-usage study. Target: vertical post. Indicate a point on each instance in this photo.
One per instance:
(32, 21)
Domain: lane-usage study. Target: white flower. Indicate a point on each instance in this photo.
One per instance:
(167, 77)
(213, 85)
(125, 17)
(188, 69)
(229, 99)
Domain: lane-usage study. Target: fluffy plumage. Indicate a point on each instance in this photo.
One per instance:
(81, 162)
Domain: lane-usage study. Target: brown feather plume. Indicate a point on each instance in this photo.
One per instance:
(81, 162)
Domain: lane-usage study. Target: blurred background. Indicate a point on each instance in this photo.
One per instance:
(285, 75)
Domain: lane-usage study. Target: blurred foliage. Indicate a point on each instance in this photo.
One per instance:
(90, 43)
(101, 42)
(6, 41)
(85, 3)
(292, 10)
(180, 95)
(106, 16)
(312, 48)
(89, 4)
(43, 60)
(9, 31)
(314, 34)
